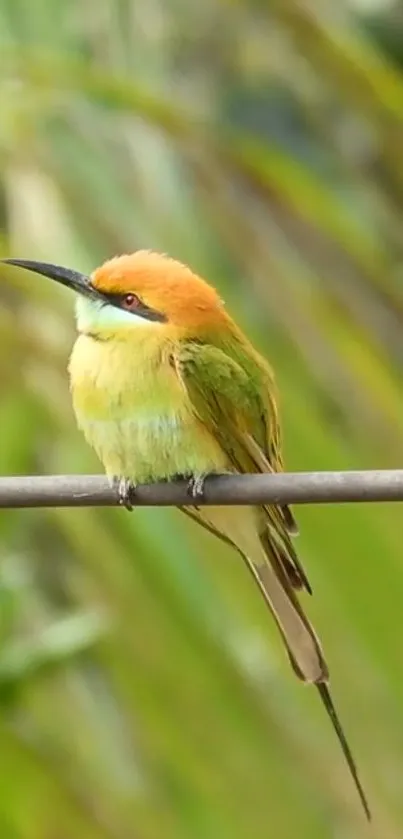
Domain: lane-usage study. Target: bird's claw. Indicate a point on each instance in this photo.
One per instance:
(126, 491)
(196, 487)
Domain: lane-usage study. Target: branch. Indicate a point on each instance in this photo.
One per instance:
(284, 488)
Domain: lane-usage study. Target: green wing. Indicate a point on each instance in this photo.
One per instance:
(236, 402)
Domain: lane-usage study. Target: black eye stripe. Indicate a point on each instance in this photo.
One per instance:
(141, 309)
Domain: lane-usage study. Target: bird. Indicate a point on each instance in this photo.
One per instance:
(164, 384)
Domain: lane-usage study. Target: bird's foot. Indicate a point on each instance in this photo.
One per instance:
(196, 486)
(126, 492)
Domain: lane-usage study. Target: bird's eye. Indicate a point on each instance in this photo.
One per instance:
(130, 301)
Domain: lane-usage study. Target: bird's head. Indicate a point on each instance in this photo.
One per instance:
(139, 290)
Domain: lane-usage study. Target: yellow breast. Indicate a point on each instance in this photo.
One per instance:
(135, 411)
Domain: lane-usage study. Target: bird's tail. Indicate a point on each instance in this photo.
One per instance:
(303, 646)
(327, 701)
(265, 546)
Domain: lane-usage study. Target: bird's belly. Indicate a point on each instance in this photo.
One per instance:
(147, 449)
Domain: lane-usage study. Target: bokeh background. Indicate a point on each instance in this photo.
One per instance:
(144, 693)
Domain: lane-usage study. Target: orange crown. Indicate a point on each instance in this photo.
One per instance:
(163, 284)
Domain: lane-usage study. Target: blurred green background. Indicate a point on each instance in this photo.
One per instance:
(144, 693)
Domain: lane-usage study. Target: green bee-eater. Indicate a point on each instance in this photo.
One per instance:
(164, 383)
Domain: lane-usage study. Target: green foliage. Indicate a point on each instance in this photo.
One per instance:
(143, 689)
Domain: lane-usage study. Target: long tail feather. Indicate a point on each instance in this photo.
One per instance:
(265, 583)
(327, 701)
(299, 637)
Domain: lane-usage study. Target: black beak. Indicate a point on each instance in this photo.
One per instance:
(72, 279)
